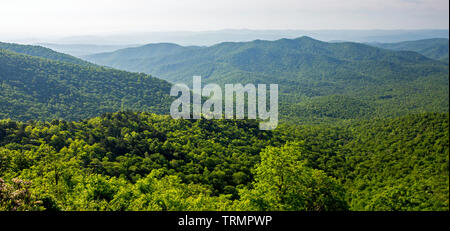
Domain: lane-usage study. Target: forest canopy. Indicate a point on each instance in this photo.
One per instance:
(140, 161)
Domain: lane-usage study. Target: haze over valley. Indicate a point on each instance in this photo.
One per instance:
(86, 95)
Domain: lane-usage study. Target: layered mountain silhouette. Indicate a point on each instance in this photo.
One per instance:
(316, 78)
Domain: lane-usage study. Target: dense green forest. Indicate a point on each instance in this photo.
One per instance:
(33, 88)
(140, 161)
(312, 75)
(363, 129)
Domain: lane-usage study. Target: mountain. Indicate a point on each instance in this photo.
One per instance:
(34, 88)
(316, 79)
(42, 52)
(436, 48)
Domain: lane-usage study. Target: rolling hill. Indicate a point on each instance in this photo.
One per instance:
(34, 88)
(373, 82)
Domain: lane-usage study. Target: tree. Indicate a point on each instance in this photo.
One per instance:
(284, 182)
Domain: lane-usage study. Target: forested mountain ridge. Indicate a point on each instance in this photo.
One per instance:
(34, 88)
(284, 55)
(140, 161)
(437, 48)
(312, 75)
(319, 81)
(42, 52)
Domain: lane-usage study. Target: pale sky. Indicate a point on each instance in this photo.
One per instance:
(82, 17)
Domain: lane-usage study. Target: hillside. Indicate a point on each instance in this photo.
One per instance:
(432, 48)
(42, 52)
(140, 161)
(375, 82)
(35, 88)
(400, 164)
(384, 164)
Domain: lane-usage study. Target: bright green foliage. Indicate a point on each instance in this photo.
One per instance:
(64, 159)
(167, 193)
(284, 182)
(141, 161)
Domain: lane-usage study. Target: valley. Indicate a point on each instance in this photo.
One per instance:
(362, 128)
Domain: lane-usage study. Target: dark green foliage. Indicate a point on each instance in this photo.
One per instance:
(396, 164)
(333, 106)
(313, 76)
(403, 164)
(34, 88)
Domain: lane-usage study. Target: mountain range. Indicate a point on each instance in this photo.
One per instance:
(317, 79)
(64, 146)
(211, 37)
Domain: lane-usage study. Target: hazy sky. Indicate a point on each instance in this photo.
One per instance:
(81, 17)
